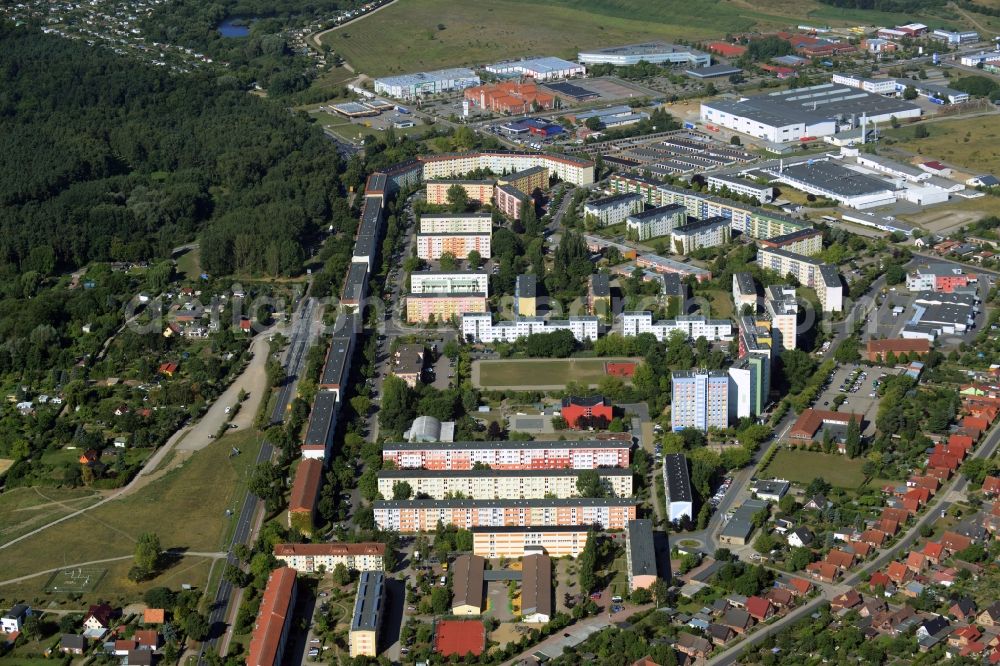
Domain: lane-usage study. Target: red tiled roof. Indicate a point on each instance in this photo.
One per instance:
(879, 578)
(305, 488)
(897, 572)
(758, 607)
(898, 345)
(801, 585)
(899, 515)
(991, 485)
(275, 605)
(811, 419)
(915, 560)
(955, 542)
(154, 616)
(148, 637)
(933, 550)
(840, 558)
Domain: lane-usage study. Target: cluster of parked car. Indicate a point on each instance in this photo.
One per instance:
(854, 382)
(721, 492)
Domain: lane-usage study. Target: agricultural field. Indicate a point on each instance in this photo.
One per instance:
(429, 34)
(538, 373)
(185, 507)
(972, 143)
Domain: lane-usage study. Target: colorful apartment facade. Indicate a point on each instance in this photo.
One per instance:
(575, 170)
(611, 513)
(493, 484)
(509, 455)
(430, 246)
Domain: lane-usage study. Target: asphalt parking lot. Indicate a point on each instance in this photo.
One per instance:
(858, 400)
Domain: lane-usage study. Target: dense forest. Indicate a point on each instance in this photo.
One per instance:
(106, 159)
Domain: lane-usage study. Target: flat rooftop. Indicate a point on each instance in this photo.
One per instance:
(613, 199)
(426, 77)
(811, 105)
(645, 48)
(321, 421)
(702, 225)
(337, 359)
(835, 178)
(659, 210)
(642, 554)
(487, 473)
(675, 472)
(543, 65)
(368, 603)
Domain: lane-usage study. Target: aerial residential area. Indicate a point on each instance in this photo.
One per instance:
(512, 333)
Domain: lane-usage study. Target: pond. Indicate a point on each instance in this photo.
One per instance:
(235, 27)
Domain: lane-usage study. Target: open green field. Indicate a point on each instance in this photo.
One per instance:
(540, 372)
(414, 35)
(24, 509)
(720, 303)
(189, 264)
(801, 467)
(972, 143)
(185, 507)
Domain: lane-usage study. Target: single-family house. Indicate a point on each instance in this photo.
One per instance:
(693, 646)
(13, 620)
(800, 537)
(72, 644)
(847, 600)
(759, 608)
(738, 620)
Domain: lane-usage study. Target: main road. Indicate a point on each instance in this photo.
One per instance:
(303, 331)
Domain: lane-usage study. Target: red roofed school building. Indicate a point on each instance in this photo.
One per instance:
(273, 620)
(590, 412)
(889, 350)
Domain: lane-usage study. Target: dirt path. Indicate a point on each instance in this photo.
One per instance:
(316, 39)
(20, 579)
(193, 437)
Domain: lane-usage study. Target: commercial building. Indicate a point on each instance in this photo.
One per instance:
(692, 326)
(609, 117)
(942, 278)
(411, 86)
(983, 58)
(494, 483)
(956, 37)
(655, 222)
(313, 557)
(801, 113)
(677, 482)
(565, 454)
(274, 619)
(609, 513)
(824, 278)
(575, 170)
(804, 241)
(744, 187)
(599, 295)
(655, 52)
(877, 86)
(782, 307)
(443, 307)
(536, 589)
(737, 531)
(366, 621)
(510, 542)
(939, 313)
(744, 291)
(430, 429)
(526, 296)
(305, 492)
(467, 585)
(540, 69)
(430, 246)
(510, 97)
(511, 201)
(700, 399)
(480, 191)
(640, 555)
(714, 231)
(586, 412)
(753, 221)
(881, 351)
(670, 267)
(895, 170)
(460, 223)
(612, 210)
(831, 180)
(479, 327)
(810, 422)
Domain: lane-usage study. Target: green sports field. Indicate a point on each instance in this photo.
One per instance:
(801, 467)
(414, 35)
(532, 373)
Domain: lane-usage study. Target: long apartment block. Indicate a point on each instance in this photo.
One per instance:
(497, 483)
(588, 454)
(310, 557)
(456, 223)
(574, 170)
(520, 541)
(430, 246)
(824, 278)
(692, 326)
(610, 513)
(753, 221)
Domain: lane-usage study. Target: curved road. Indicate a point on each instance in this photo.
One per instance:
(316, 39)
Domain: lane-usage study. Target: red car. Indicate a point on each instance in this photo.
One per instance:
(596, 596)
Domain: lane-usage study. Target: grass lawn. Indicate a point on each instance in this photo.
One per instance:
(973, 143)
(185, 507)
(619, 579)
(547, 372)
(429, 34)
(23, 509)
(189, 264)
(804, 466)
(720, 303)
